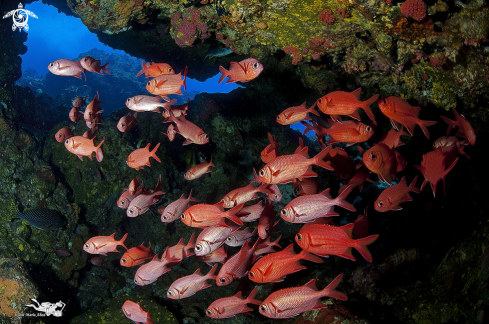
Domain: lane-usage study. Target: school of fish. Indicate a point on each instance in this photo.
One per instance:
(221, 224)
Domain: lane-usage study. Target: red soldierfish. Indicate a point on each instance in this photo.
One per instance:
(65, 67)
(177, 110)
(220, 255)
(239, 237)
(140, 157)
(295, 114)
(63, 134)
(287, 168)
(358, 179)
(266, 221)
(189, 285)
(275, 195)
(271, 151)
(151, 271)
(127, 122)
(325, 240)
(230, 306)
(167, 84)
(142, 103)
(341, 162)
(465, 130)
(141, 203)
(243, 71)
(191, 132)
(81, 146)
(251, 213)
(93, 110)
(126, 198)
(175, 209)
(198, 170)
(306, 209)
(180, 251)
(75, 114)
(274, 267)
(290, 302)
(381, 160)
(171, 132)
(319, 130)
(205, 215)
(346, 103)
(236, 266)
(392, 197)
(211, 238)
(349, 132)
(448, 143)
(433, 169)
(103, 244)
(78, 102)
(398, 110)
(136, 313)
(243, 195)
(307, 186)
(393, 138)
(265, 247)
(92, 65)
(152, 70)
(136, 255)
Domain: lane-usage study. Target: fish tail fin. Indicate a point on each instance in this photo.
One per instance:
(451, 123)
(308, 127)
(211, 274)
(153, 153)
(330, 289)
(191, 243)
(341, 199)
(98, 151)
(426, 123)
(412, 186)
(311, 110)
(251, 298)
(104, 68)
(185, 78)
(368, 111)
(121, 241)
(225, 73)
(361, 246)
(231, 214)
(318, 159)
(142, 71)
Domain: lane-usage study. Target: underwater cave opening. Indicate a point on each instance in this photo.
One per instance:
(54, 35)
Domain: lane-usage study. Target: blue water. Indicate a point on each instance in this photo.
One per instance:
(54, 35)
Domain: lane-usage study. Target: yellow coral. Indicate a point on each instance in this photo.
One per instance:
(8, 289)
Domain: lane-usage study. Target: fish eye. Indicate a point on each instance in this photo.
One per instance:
(51, 64)
(149, 83)
(319, 100)
(299, 237)
(135, 281)
(165, 217)
(169, 70)
(276, 196)
(252, 274)
(123, 202)
(124, 260)
(128, 99)
(262, 173)
(373, 156)
(380, 203)
(198, 248)
(384, 101)
(209, 312)
(284, 212)
(59, 135)
(87, 246)
(170, 293)
(229, 239)
(222, 280)
(183, 216)
(123, 125)
(131, 211)
(368, 128)
(255, 65)
(278, 117)
(263, 308)
(67, 142)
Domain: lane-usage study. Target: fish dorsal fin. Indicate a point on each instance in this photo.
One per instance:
(356, 93)
(303, 151)
(311, 284)
(348, 228)
(197, 271)
(290, 249)
(326, 193)
(239, 295)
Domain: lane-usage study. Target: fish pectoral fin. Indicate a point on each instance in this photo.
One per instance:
(276, 173)
(100, 246)
(160, 83)
(80, 157)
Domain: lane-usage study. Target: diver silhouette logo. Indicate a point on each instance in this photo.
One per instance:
(20, 17)
(49, 308)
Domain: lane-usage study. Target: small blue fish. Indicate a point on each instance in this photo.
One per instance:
(218, 52)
